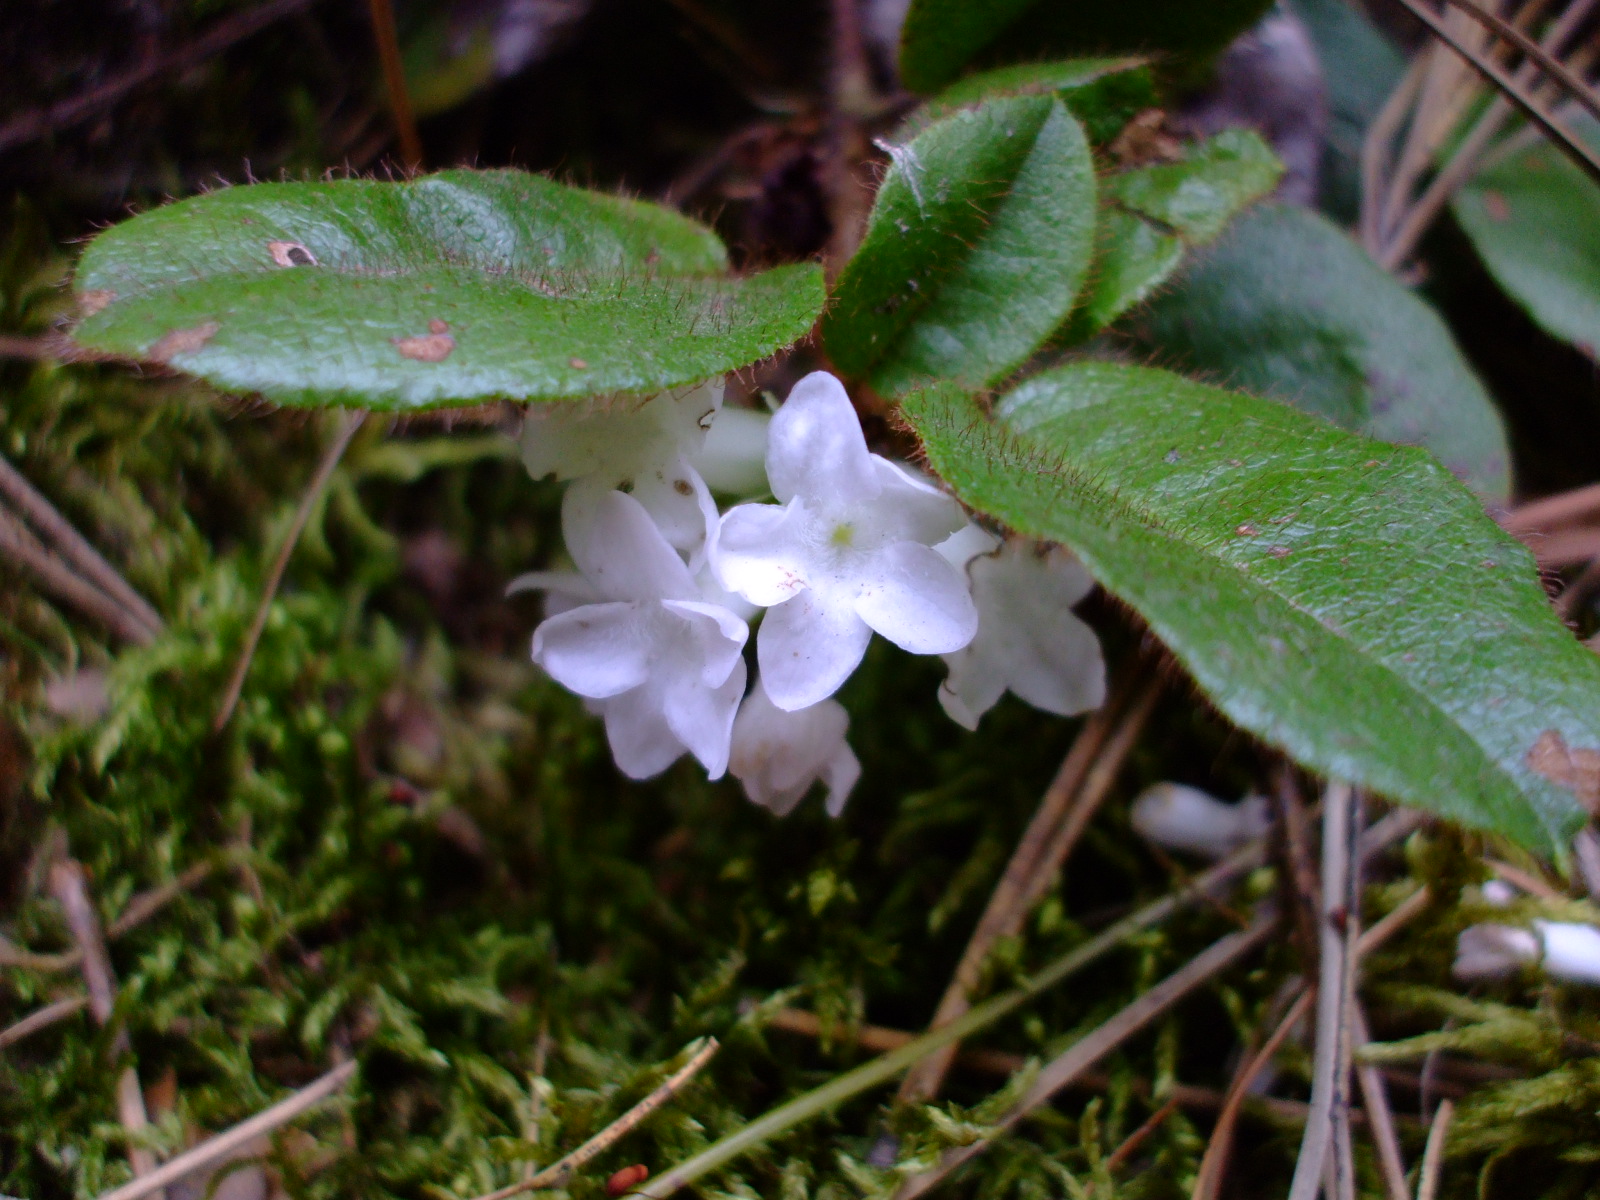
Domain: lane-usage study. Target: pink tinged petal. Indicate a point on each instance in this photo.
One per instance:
(714, 638)
(618, 547)
(911, 509)
(642, 742)
(596, 650)
(760, 552)
(807, 648)
(815, 445)
(841, 777)
(917, 600)
(702, 717)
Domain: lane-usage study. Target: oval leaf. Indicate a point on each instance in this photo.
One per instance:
(1285, 304)
(975, 250)
(1340, 597)
(455, 288)
(1104, 94)
(1535, 221)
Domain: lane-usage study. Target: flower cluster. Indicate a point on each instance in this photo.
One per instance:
(652, 625)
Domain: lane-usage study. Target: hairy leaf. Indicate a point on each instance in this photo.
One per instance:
(940, 37)
(1340, 597)
(975, 251)
(1535, 220)
(1102, 93)
(1287, 305)
(455, 288)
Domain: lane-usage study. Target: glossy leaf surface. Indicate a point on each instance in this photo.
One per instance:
(455, 288)
(1102, 93)
(975, 251)
(1342, 598)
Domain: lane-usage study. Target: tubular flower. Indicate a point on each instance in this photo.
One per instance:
(1176, 817)
(1028, 642)
(848, 550)
(663, 666)
(646, 448)
(778, 755)
(1563, 949)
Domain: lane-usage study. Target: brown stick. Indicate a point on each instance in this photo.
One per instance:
(226, 1144)
(1380, 1117)
(18, 543)
(851, 99)
(1433, 1152)
(308, 502)
(1074, 795)
(71, 890)
(1083, 1054)
(1131, 1143)
(42, 1018)
(557, 1173)
(73, 546)
(1549, 512)
(394, 81)
(38, 122)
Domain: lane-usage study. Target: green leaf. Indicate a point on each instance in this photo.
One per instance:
(1286, 305)
(1339, 597)
(1154, 215)
(975, 250)
(1535, 221)
(1102, 93)
(455, 288)
(940, 37)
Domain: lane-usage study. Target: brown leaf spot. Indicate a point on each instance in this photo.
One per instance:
(438, 326)
(1577, 770)
(1247, 530)
(627, 1179)
(1495, 205)
(93, 302)
(577, 364)
(435, 347)
(291, 254)
(1278, 551)
(182, 341)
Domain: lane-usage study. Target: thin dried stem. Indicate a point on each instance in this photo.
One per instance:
(1380, 1117)
(350, 423)
(1215, 1162)
(557, 1174)
(1550, 512)
(1433, 1153)
(1375, 148)
(70, 888)
(18, 543)
(1130, 1144)
(1083, 1054)
(1537, 55)
(1327, 1085)
(53, 118)
(227, 1144)
(73, 546)
(394, 81)
(1073, 797)
(40, 1019)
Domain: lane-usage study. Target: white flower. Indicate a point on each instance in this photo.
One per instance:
(733, 458)
(1565, 950)
(664, 665)
(645, 447)
(1029, 641)
(778, 755)
(1176, 817)
(848, 551)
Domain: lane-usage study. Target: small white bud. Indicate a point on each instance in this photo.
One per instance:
(1493, 952)
(1571, 950)
(1185, 819)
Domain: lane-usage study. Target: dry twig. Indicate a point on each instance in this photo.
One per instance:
(394, 81)
(18, 543)
(42, 1018)
(1433, 1153)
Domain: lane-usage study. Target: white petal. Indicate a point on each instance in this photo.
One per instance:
(815, 445)
(1493, 952)
(702, 717)
(642, 742)
(912, 509)
(1571, 950)
(917, 600)
(733, 460)
(807, 648)
(618, 547)
(1186, 819)
(760, 552)
(616, 438)
(966, 544)
(778, 755)
(563, 590)
(595, 650)
(969, 691)
(713, 638)
(679, 503)
(841, 776)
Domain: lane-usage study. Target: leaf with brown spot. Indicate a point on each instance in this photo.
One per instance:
(92, 302)
(291, 254)
(182, 341)
(1577, 770)
(438, 326)
(432, 348)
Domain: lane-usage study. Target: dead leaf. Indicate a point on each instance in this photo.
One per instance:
(433, 347)
(182, 341)
(1577, 770)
